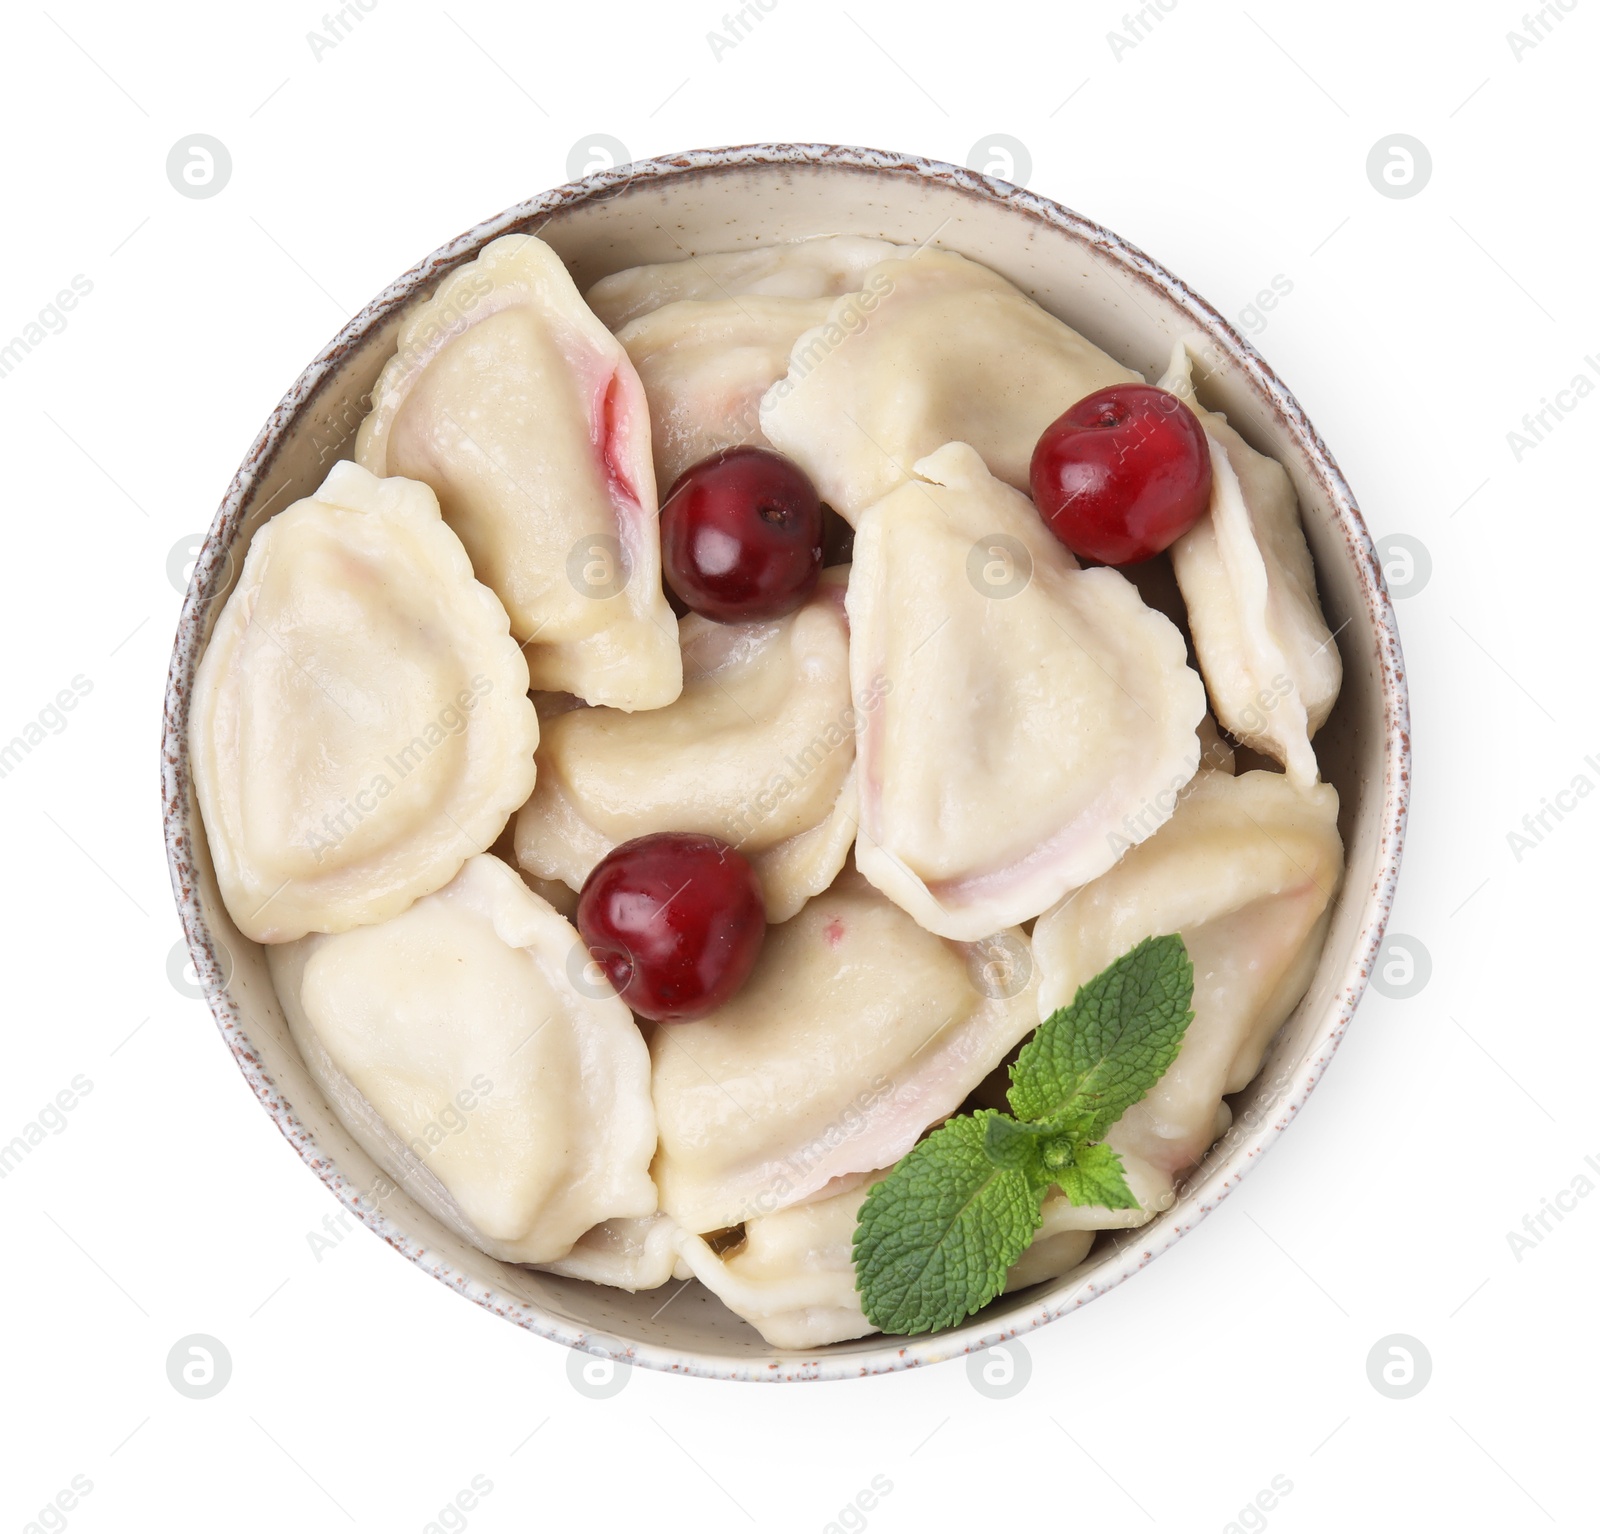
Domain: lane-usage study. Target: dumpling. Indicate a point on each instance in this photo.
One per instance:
(360, 724)
(947, 351)
(456, 1049)
(822, 267)
(526, 417)
(1054, 1251)
(1270, 663)
(705, 364)
(793, 1276)
(856, 1031)
(1245, 871)
(1035, 722)
(759, 750)
(625, 1254)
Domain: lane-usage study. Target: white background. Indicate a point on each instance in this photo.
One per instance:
(1418, 332)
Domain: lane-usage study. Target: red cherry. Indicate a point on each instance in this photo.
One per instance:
(741, 535)
(1123, 474)
(676, 920)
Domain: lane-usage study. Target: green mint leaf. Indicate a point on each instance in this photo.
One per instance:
(936, 1236)
(1088, 1063)
(1015, 1147)
(1093, 1176)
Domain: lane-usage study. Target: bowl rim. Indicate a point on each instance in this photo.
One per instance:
(211, 572)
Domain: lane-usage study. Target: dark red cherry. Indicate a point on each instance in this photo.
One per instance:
(741, 535)
(1122, 474)
(676, 920)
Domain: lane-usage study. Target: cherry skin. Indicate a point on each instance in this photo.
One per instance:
(741, 535)
(676, 920)
(1123, 474)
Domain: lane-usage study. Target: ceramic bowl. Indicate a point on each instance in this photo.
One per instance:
(711, 200)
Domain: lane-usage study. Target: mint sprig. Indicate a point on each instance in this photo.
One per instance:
(936, 1237)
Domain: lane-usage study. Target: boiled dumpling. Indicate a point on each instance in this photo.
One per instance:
(822, 267)
(625, 1254)
(525, 415)
(1245, 872)
(759, 750)
(856, 1031)
(1053, 1252)
(793, 1276)
(705, 365)
(950, 352)
(1036, 720)
(360, 724)
(1270, 663)
(456, 1049)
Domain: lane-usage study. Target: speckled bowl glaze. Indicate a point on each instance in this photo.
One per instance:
(721, 199)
